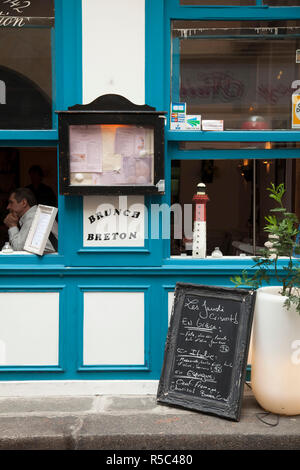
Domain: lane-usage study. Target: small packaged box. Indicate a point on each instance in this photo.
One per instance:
(295, 111)
(212, 125)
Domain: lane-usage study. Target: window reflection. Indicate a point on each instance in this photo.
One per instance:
(238, 197)
(282, 3)
(26, 73)
(236, 71)
(211, 3)
(238, 145)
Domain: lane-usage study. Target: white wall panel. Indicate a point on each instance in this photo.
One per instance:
(113, 328)
(113, 49)
(29, 328)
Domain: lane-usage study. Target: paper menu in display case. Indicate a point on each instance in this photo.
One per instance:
(111, 155)
(85, 149)
(137, 170)
(111, 161)
(130, 141)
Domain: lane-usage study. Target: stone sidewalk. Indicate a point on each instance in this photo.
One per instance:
(136, 423)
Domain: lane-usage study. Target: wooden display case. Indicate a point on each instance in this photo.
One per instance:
(111, 146)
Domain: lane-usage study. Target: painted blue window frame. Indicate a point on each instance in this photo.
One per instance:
(67, 91)
(159, 14)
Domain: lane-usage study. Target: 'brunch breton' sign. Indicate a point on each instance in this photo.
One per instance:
(113, 221)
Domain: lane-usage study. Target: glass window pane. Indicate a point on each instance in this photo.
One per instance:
(236, 71)
(32, 167)
(238, 145)
(111, 155)
(26, 64)
(211, 3)
(282, 3)
(233, 222)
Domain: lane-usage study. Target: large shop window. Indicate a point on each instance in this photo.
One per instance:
(238, 200)
(31, 167)
(214, 3)
(26, 64)
(241, 72)
(226, 3)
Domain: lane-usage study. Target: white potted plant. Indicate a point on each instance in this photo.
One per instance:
(275, 365)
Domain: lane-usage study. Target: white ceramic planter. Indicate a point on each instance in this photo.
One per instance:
(275, 371)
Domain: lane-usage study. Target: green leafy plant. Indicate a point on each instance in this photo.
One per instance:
(283, 228)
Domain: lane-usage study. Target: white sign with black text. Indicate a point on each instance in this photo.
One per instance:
(113, 221)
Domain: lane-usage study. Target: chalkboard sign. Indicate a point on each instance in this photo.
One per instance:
(206, 349)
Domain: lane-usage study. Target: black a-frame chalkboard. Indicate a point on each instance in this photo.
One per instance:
(206, 349)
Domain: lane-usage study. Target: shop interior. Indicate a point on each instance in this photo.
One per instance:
(238, 200)
(232, 224)
(15, 163)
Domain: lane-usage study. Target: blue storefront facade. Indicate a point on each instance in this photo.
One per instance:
(100, 313)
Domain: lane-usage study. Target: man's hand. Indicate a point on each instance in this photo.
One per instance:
(11, 220)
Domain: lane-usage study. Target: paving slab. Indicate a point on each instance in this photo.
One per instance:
(37, 433)
(137, 423)
(185, 431)
(45, 404)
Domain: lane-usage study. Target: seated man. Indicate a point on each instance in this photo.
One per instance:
(22, 208)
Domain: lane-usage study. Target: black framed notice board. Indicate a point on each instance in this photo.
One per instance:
(206, 349)
(111, 146)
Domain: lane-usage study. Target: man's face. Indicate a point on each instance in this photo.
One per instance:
(15, 207)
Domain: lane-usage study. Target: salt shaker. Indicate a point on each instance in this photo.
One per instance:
(217, 253)
(7, 248)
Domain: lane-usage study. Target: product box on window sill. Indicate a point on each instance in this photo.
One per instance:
(296, 112)
(180, 121)
(213, 125)
(193, 123)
